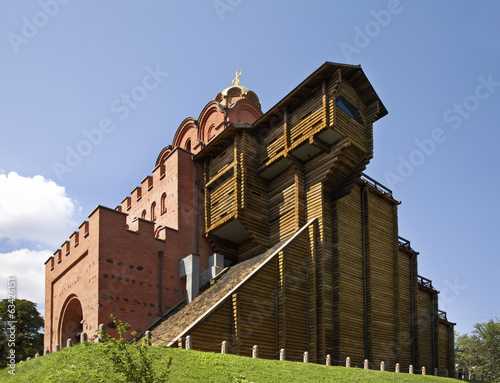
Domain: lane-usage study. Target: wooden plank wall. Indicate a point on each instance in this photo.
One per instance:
(293, 280)
(425, 329)
(254, 313)
(218, 327)
(348, 278)
(405, 344)
(444, 348)
(360, 134)
(255, 200)
(382, 248)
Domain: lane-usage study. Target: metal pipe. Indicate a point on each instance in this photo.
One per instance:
(412, 289)
(433, 313)
(160, 261)
(365, 288)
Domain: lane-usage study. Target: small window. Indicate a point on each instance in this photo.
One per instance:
(143, 214)
(163, 203)
(348, 108)
(188, 145)
(153, 211)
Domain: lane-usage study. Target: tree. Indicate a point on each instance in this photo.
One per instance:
(20, 329)
(480, 352)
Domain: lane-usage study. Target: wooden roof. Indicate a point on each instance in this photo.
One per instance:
(352, 73)
(180, 323)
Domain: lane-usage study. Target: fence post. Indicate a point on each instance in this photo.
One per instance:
(189, 343)
(223, 347)
(282, 354)
(255, 351)
(397, 367)
(382, 366)
(366, 365)
(328, 360)
(69, 343)
(102, 332)
(306, 357)
(148, 338)
(411, 369)
(348, 361)
(424, 371)
(83, 337)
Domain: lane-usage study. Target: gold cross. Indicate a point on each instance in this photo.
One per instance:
(236, 80)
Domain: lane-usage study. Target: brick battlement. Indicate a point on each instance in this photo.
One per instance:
(89, 231)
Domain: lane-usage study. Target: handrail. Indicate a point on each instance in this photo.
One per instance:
(376, 184)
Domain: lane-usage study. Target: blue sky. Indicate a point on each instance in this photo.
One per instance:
(71, 68)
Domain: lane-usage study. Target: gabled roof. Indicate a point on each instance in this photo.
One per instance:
(352, 73)
(180, 323)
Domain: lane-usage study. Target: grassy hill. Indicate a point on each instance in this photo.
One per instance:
(88, 363)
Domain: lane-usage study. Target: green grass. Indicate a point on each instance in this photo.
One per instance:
(87, 363)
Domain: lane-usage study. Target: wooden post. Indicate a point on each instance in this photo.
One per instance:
(424, 372)
(411, 369)
(69, 343)
(189, 343)
(382, 366)
(255, 351)
(282, 354)
(328, 360)
(148, 338)
(223, 347)
(83, 337)
(397, 367)
(366, 365)
(348, 361)
(306, 357)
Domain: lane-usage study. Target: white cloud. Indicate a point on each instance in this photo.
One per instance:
(34, 209)
(29, 269)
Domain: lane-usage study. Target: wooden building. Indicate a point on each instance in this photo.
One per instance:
(318, 262)
(270, 219)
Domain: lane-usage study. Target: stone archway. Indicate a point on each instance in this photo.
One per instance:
(70, 324)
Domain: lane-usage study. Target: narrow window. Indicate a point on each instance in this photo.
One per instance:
(348, 108)
(163, 203)
(188, 145)
(153, 211)
(143, 215)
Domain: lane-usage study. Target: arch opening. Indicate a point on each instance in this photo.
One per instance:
(71, 325)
